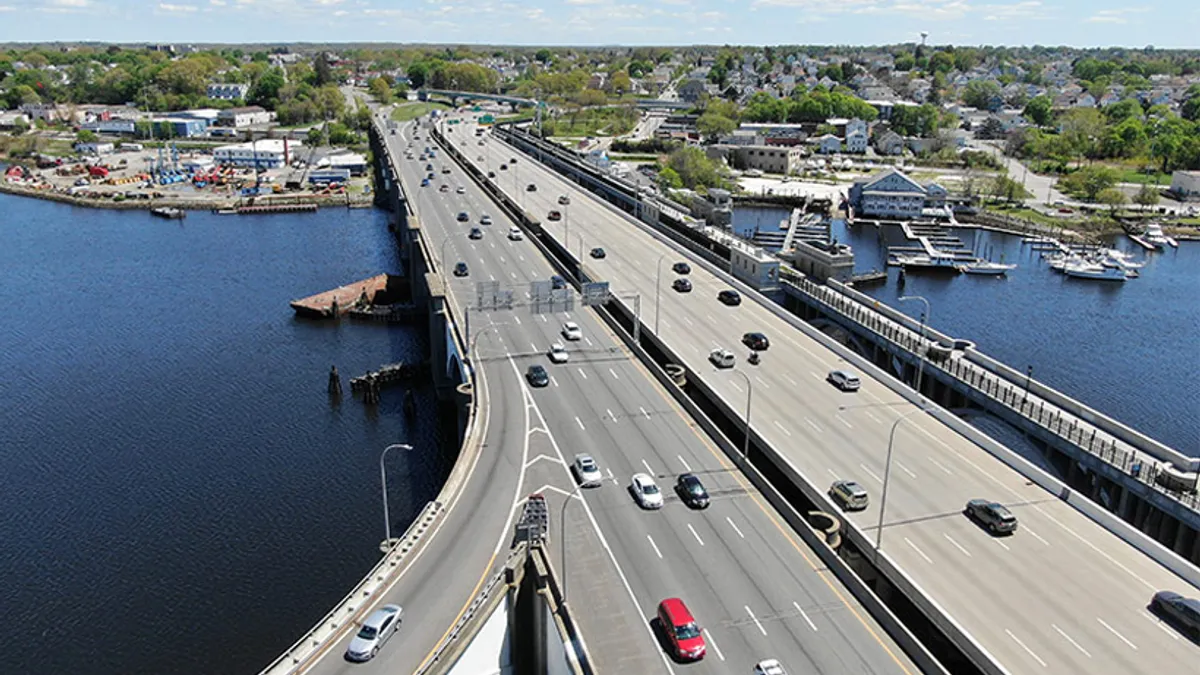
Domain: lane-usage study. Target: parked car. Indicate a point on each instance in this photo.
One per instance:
(537, 376)
(598, 253)
(381, 625)
(570, 331)
(1183, 612)
(756, 341)
(686, 638)
(992, 515)
(681, 268)
(849, 495)
(844, 380)
(682, 285)
(460, 269)
(558, 353)
(586, 471)
(722, 358)
(646, 491)
(692, 491)
(730, 297)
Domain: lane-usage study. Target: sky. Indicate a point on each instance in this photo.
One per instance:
(1082, 23)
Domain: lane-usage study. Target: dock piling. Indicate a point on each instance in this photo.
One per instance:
(335, 382)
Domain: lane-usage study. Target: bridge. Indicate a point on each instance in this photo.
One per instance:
(759, 581)
(456, 96)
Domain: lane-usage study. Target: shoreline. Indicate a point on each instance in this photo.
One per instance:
(189, 204)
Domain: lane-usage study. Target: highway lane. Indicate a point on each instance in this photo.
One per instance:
(733, 563)
(1063, 592)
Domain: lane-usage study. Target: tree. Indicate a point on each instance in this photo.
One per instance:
(1147, 196)
(316, 137)
(1090, 181)
(543, 56)
(980, 93)
(322, 71)
(620, 83)
(714, 125)
(1082, 128)
(941, 62)
(380, 90)
(265, 92)
(417, 74)
(1113, 198)
(1190, 110)
(904, 63)
(1122, 110)
(668, 179)
(991, 129)
(1038, 110)
(694, 168)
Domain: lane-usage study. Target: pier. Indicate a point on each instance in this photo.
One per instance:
(343, 299)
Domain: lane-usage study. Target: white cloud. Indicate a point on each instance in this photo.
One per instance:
(341, 12)
(68, 3)
(176, 9)
(1117, 16)
(7, 8)
(585, 2)
(217, 3)
(327, 3)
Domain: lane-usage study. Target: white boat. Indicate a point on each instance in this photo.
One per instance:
(1090, 270)
(933, 261)
(1155, 237)
(986, 267)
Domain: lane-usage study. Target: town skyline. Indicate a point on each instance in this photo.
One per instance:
(591, 23)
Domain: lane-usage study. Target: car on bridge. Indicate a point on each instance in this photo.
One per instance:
(428, 167)
(531, 188)
(381, 625)
(444, 188)
(445, 169)
(844, 380)
(460, 190)
(504, 167)
(475, 233)
(512, 160)
(992, 515)
(424, 182)
(564, 200)
(558, 353)
(756, 341)
(677, 623)
(491, 174)
(1183, 612)
(682, 285)
(681, 268)
(537, 376)
(730, 297)
(598, 253)
(557, 282)
(485, 219)
(514, 234)
(570, 331)
(769, 667)
(586, 471)
(849, 495)
(460, 269)
(646, 491)
(722, 358)
(692, 491)
(554, 215)
(463, 216)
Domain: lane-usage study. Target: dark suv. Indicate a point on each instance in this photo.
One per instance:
(995, 517)
(682, 285)
(681, 268)
(730, 298)
(756, 341)
(557, 282)
(1178, 610)
(692, 491)
(537, 376)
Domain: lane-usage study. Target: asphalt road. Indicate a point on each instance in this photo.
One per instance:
(754, 588)
(1063, 595)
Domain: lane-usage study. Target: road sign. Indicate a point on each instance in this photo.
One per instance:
(488, 295)
(595, 293)
(539, 291)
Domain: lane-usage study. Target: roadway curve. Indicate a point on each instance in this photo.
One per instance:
(756, 590)
(1064, 595)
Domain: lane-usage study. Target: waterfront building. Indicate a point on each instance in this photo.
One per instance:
(266, 154)
(244, 116)
(1185, 185)
(892, 194)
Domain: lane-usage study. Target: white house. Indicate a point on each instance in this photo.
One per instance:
(244, 117)
(97, 148)
(228, 92)
(856, 125)
(1186, 185)
(888, 194)
(856, 141)
(889, 143)
(829, 144)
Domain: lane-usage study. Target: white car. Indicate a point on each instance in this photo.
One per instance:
(381, 625)
(570, 331)
(485, 219)
(564, 200)
(515, 234)
(558, 353)
(646, 491)
(722, 358)
(586, 471)
(769, 667)
(460, 190)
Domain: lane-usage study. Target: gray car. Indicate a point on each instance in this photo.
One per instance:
(375, 632)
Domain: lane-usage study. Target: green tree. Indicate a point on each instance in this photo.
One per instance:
(543, 55)
(1112, 198)
(316, 137)
(86, 136)
(418, 73)
(1038, 110)
(904, 63)
(1190, 110)
(380, 90)
(714, 125)
(694, 168)
(1146, 196)
(620, 83)
(980, 93)
(322, 71)
(590, 98)
(1090, 181)
(1122, 110)
(668, 179)
(22, 94)
(1082, 128)
(265, 91)
(941, 62)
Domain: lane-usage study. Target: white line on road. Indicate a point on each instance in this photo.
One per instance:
(1002, 544)
(519, 256)
(755, 619)
(648, 469)
(810, 621)
(939, 465)
(614, 374)
(790, 381)
(689, 322)
(1114, 632)
(905, 470)
(919, 551)
(579, 422)
(1027, 649)
(493, 277)
(870, 473)
(694, 534)
(553, 381)
(762, 382)
(1034, 535)
(782, 428)
(1158, 622)
(956, 545)
(735, 527)
(709, 639)
(514, 274)
(735, 386)
(610, 415)
(588, 340)
(833, 473)
(655, 547)
(684, 463)
(644, 413)
(1068, 639)
(582, 373)
(814, 374)
(543, 317)
(870, 414)
(843, 421)
(816, 427)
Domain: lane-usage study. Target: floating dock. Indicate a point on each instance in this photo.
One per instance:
(276, 208)
(339, 301)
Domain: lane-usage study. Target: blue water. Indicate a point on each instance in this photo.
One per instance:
(1128, 350)
(179, 493)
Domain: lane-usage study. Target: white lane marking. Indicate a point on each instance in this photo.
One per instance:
(832, 473)
(870, 473)
(919, 551)
(493, 277)
(956, 545)
(694, 534)
(648, 469)
(1092, 546)
(644, 413)
(514, 274)
(813, 424)
(761, 382)
(518, 320)
(905, 470)
(501, 260)
(755, 619)
(519, 256)
(689, 322)
(782, 428)
(582, 373)
(553, 381)
(940, 466)
(815, 374)
(614, 374)
(588, 340)
(610, 415)
(735, 386)
(1002, 544)
(1034, 535)
(684, 463)
(1068, 639)
(793, 382)
(843, 421)
(579, 422)
(531, 344)
(709, 639)
(810, 621)
(1023, 646)
(710, 318)
(871, 415)
(543, 317)
(735, 527)
(1158, 622)
(1114, 632)
(654, 546)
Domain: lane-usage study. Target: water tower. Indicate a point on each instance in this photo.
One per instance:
(924, 34)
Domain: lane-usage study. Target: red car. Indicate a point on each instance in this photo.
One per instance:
(681, 630)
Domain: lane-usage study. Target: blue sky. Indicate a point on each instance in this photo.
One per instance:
(1164, 23)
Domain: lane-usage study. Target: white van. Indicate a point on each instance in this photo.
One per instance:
(721, 358)
(844, 380)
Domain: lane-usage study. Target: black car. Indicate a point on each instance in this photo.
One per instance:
(730, 298)
(537, 376)
(557, 282)
(460, 269)
(463, 216)
(692, 491)
(598, 253)
(445, 169)
(681, 268)
(491, 174)
(756, 341)
(504, 167)
(1183, 612)
(513, 160)
(476, 233)
(682, 285)
(995, 517)
(531, 188)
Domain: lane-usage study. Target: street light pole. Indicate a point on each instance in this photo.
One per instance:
(562, 535)
(887, 470)
(387, 522)
(442, 257)
(658, 288)
(1028, 375)
(749, 394)
(921, 340)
